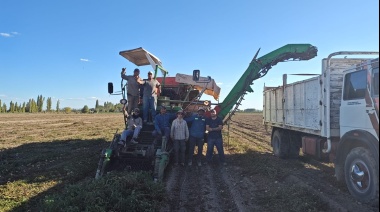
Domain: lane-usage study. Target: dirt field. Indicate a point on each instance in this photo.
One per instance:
(41, 154)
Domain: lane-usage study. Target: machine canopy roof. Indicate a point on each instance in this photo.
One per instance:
(141, 57)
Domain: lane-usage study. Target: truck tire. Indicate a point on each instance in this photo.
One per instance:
(280, 144)
(361, 174)
(294, 145)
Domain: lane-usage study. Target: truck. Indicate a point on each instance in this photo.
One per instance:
(184, 92)
(333, 116)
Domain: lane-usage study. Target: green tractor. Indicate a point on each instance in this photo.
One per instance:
(184, 92)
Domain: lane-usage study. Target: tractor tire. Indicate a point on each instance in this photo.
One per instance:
(280, 144)
(362, 175)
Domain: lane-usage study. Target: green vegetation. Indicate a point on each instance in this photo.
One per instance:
(117, 191)
(33, 106)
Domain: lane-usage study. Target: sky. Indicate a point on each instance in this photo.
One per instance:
(69, 50)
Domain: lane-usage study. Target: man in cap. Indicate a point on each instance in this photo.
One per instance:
(151, 88)
(133, 128)
(133, 88)
(197, 132)
(179, 134)
(162, 123)
(214, 126)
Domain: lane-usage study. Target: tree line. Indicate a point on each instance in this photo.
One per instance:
(37, 106)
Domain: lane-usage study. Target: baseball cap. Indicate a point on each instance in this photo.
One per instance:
(150, 72)
(201, 108)
(136, 69)
(163, 107)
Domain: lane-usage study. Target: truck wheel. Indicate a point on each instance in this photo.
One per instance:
(361, 175)
(280, 144)
(294, 146)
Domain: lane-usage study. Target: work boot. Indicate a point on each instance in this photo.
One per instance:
(133, 141)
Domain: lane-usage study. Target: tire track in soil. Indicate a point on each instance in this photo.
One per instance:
(205, 188)
(252, 137)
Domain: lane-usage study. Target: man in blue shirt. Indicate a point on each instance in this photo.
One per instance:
(162, 123)
(197, 132)
(214, 126)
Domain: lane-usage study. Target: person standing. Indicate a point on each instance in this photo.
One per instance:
(162, 123)
(133, 88)
(197, 132)
(180, 134)
(214, 126)
(134, 127)
(151, 87)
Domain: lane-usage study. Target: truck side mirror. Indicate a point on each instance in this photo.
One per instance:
(196, 74)
(110, 88)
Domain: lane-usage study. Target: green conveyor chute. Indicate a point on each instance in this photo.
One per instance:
(259, 68)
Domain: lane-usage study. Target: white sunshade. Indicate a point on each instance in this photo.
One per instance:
(141, 57)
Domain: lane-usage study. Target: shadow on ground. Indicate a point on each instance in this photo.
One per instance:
(31, 171)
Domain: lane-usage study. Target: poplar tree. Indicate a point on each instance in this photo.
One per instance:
(57, 107)
(11, 107)
(48, 104)
(1, 108)
(40, 103)
(4, 108)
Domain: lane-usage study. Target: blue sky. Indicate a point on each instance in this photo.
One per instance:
(69, 50)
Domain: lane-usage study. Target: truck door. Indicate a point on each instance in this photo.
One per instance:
(353, 111)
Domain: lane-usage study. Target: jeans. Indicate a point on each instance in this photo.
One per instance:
(149, 102)
(129, 132)
(192, 142)
(165, 132)
(218, 142)
(179, 151)
(133, 102)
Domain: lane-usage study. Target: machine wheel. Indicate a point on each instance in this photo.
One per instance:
(361, 174)
(280, 144)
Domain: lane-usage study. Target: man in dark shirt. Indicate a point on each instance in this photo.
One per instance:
(214, 126)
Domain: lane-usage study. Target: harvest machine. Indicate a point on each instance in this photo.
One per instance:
(184, 92)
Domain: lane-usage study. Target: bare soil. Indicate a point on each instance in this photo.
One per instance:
(41, 154)
(256, 180)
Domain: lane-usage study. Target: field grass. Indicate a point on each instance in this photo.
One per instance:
(40, 154)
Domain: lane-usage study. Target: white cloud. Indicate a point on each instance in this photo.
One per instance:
(219, 83)
(75, 99)
(84, 60)
(3, 95)
(92, 97)
(7, 35)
